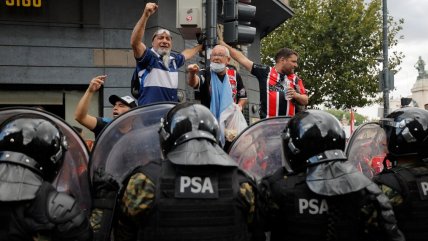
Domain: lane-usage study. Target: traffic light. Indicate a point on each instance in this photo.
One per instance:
(237, 17)
(388, 85)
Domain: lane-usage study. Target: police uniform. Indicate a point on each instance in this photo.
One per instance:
(47, 215)
(31, 154)
(196, 193)
(293, 211)
(317, 195)
(200, 206)
(406, 184)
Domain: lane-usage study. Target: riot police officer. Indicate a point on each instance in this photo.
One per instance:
(406, 184)
(31, 154)
(196, 193)
(317, 195)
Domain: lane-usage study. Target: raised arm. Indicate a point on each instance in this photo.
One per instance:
(238, 56)
(137, 34)
(192, 75)
(81, 114)
(189, 53)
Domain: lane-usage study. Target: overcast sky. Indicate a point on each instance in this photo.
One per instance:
(414, 44)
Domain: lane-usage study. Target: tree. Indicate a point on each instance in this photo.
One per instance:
(340, 114)
(339, 44)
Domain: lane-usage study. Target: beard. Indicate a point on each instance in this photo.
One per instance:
(289, 71)
(165, 54)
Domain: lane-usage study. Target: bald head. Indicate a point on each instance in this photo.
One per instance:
(221, 49)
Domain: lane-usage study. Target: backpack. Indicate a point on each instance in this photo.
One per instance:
(135, 84)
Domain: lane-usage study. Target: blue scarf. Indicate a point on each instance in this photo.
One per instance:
(221, 98)
(221, 95)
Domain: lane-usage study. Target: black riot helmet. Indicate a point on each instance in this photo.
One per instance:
(32, 141)
(407, 132)
(185, 122)
(312, 137)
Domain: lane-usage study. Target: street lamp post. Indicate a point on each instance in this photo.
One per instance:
(385, 71)
(211, 27)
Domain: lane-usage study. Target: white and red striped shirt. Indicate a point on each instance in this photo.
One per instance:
(273, 91)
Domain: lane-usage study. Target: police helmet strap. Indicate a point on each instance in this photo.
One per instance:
(164, 134)
(196, 134)
(20, 159)
(292, 147)
(61, 150)
(326, 156)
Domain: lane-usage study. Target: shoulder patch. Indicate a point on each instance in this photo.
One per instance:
(389, 179)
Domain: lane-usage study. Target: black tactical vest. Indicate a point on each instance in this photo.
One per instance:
(304, 215)
(412, 185)
(13, 214)
(195, 203)
(5, 217)
(50, 214)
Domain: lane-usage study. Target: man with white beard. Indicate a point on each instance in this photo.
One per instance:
(157, 67)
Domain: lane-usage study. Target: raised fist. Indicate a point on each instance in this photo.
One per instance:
(150, 9)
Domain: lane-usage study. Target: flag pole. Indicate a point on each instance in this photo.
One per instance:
(351, 120)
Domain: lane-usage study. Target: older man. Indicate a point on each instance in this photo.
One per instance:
(157, 67)
(220, 86)
(219, 66)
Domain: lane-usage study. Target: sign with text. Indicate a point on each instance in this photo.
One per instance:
(24, 3)
(45, 12)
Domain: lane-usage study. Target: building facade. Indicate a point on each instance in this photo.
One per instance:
(50, 50)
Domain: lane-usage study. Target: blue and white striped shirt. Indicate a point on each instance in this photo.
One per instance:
(157, 83)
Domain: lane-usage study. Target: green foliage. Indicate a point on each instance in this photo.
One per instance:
(340, 114)
(339, 44)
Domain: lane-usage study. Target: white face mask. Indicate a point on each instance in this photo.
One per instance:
(217, 67)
